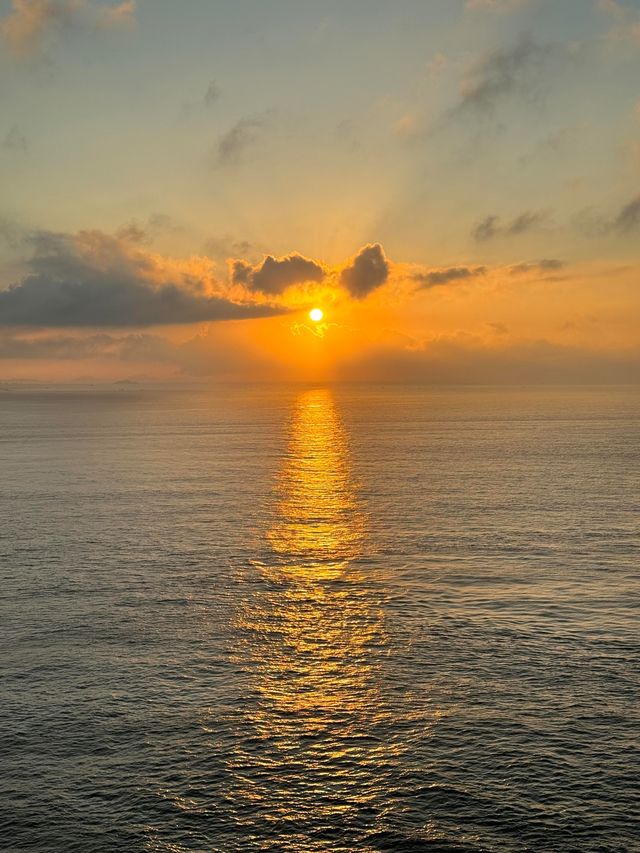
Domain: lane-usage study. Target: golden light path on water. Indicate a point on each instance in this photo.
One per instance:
(319, 528)
(314, 639)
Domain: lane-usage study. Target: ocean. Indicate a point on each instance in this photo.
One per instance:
(350, 618)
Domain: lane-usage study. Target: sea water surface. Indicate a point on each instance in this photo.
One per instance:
(319, 619)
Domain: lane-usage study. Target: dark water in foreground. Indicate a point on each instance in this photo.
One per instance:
(313, 620)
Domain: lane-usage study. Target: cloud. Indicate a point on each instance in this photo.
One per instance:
(368, 270)
(558, 143)
(141, 346)
(491, 358)
(629, 217)
(24, 28)
(245, 134)
(486, 229)
(517, 71)
(92, 279)
(198, 355)
(144, 233)
(29, 24)
(498, 328)
(543, 265)
(525, 222)
(274, 275)
(133, 233)
(596, 224)
(11, 234)
(212, 94)
(441, 277)
(490, 227)
(451, 275)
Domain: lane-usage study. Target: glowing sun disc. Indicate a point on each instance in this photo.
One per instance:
(316, 314)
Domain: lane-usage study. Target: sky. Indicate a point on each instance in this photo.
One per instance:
(455, 183)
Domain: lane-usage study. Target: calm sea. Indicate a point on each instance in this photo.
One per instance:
(320, 619)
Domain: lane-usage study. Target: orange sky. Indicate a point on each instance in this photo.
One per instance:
(456, 184)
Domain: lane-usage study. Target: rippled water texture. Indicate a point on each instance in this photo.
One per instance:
(343, 619)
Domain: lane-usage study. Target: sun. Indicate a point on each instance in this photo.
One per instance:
(316, 314)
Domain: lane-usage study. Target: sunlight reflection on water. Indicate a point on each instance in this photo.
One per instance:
(320, 526)
(316, 638)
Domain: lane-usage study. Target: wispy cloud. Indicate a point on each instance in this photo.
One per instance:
(212, 94)
(145, 232)
(245, 134)
(492, 226)
(628, 219)
(519, 71)
(541, 266)
(623, 223)
(447, 275)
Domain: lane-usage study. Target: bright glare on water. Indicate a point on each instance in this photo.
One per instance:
(274, 619)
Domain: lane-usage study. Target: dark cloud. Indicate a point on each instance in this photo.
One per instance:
(629, 217)
(543, 265)
(518, 71)
(274, 275)
(15, 140)
(441, 277)
(245, 133)
(491, 226)
(92, 279)
(367, 271)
